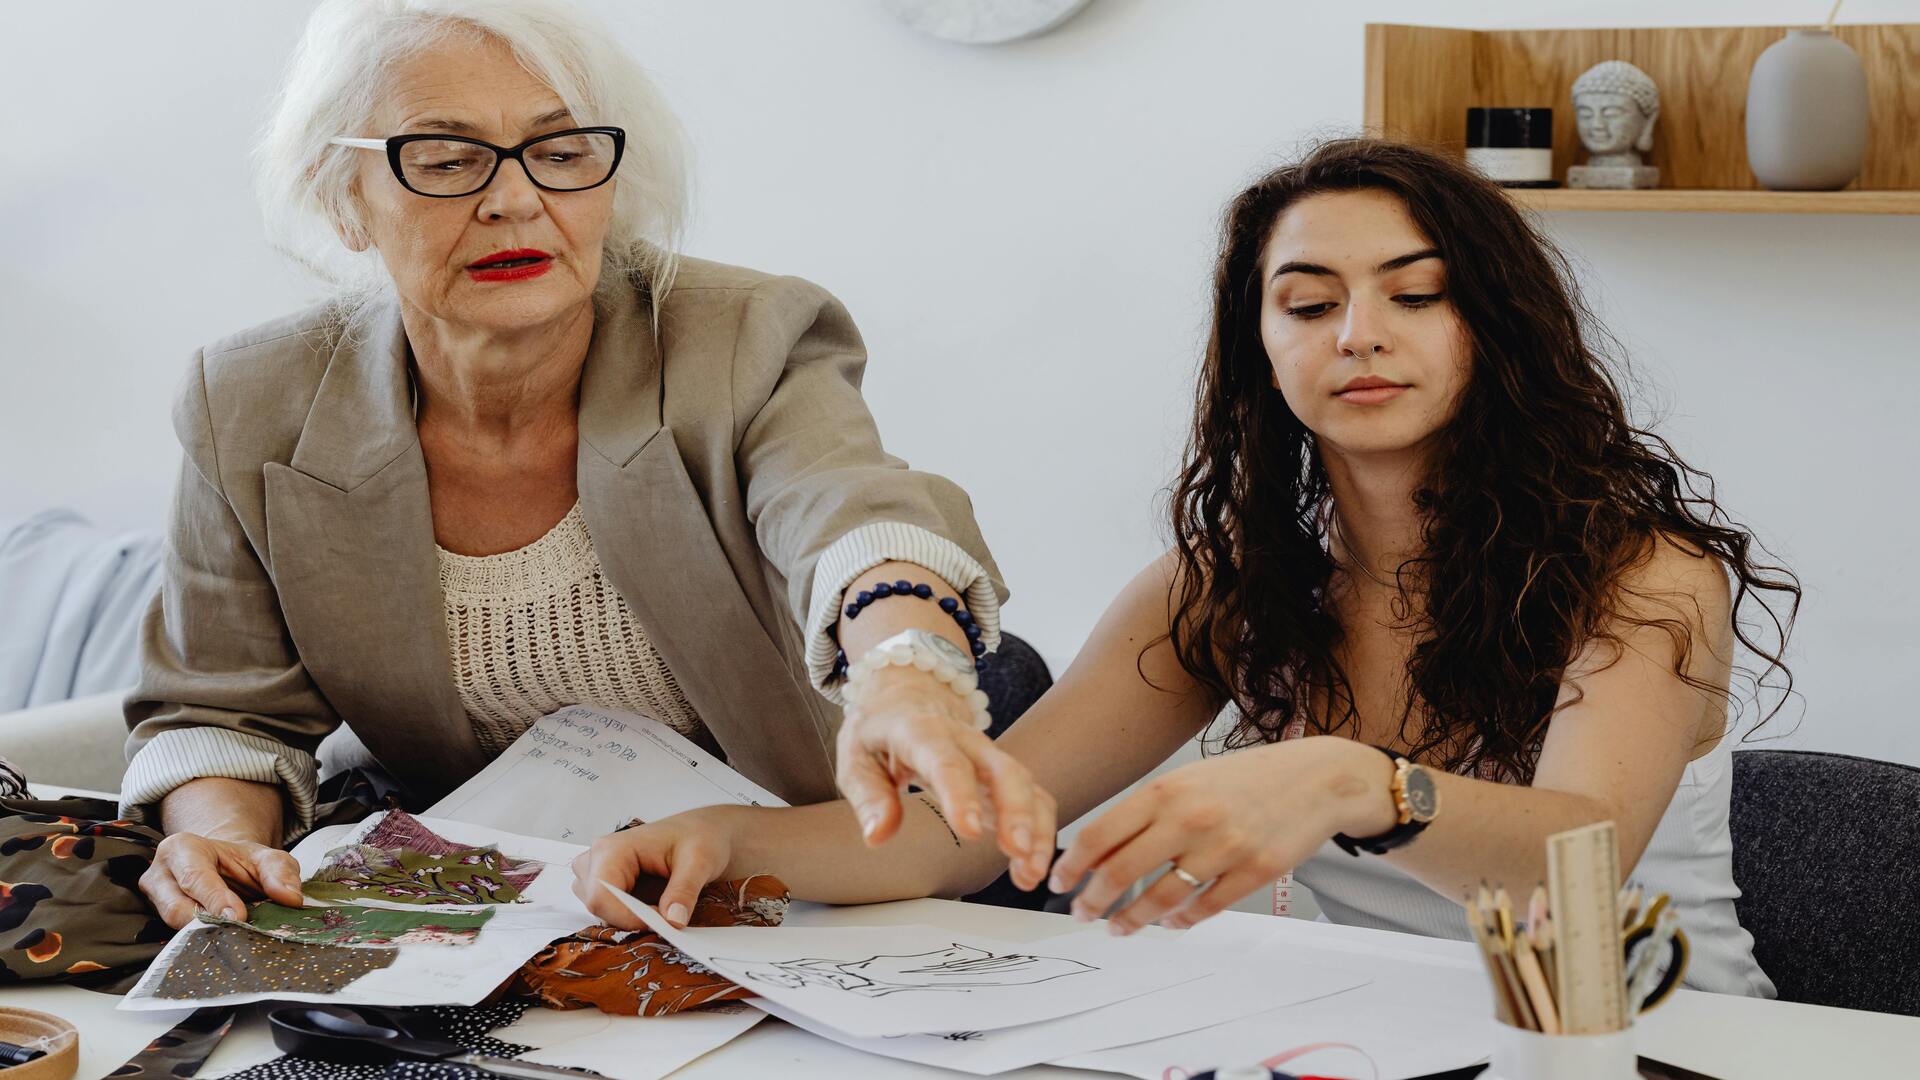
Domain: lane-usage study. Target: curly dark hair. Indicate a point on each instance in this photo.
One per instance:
(1541, 496)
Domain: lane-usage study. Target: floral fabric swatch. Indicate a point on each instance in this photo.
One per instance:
(401, 831)
(636, 973)
(352, 925)
(227, 958)
(461, 876)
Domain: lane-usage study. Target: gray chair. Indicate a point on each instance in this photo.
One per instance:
(1826, 852)
(1015, 678)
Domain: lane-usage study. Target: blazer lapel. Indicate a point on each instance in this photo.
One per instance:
(352, 552)
(658, 548)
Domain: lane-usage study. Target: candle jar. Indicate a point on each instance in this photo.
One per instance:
(1513, 147)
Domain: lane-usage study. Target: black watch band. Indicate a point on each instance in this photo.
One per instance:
(1400, 834)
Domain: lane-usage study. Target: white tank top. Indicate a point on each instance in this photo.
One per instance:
(1690, 858)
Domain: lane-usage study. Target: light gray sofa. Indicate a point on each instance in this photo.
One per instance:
(71, 599)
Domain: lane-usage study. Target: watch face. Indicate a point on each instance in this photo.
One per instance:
(1422, 799)
(947, 651)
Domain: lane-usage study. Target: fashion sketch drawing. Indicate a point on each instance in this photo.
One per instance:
(955, 968)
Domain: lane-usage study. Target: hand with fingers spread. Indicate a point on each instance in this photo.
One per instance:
(192, 873)
(688, 850)
(1228, 825)
(909, 727)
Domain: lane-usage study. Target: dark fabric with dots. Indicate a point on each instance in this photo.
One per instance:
(470, 1026)
(1826, 852)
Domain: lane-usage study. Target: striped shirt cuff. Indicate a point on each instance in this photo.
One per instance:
(174, 757)
(13, 783)
(868, 546)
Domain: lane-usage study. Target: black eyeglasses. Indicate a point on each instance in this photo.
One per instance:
(448, 166)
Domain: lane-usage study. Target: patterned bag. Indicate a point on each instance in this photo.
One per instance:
(636, 973)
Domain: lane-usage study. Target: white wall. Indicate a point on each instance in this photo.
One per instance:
(1030, 223)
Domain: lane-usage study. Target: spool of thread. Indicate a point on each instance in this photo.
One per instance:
(1513, 147)
(37, 1046)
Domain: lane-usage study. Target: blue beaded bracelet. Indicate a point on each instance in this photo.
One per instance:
(948, 604)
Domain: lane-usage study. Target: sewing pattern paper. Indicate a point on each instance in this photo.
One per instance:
(877, 981)
(419, 973)
(351, 925)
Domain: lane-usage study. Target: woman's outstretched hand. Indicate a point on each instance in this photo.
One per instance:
(1231, 823)
(909, 727)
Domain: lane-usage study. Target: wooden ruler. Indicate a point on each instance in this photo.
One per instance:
(1583, 882)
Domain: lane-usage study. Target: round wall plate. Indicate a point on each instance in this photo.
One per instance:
(984, 22)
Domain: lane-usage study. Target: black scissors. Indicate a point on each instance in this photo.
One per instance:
(347, 1035)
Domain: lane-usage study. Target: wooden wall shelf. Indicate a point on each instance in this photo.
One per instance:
(1420, 81)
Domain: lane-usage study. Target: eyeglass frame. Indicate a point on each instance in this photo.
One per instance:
(501, 154)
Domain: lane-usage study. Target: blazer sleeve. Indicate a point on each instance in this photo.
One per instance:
(809, 454)
(222, 691)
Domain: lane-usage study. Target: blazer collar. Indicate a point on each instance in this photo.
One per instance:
(620, 387)
(362, 415)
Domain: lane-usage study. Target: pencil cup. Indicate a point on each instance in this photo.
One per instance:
(1519, 1054)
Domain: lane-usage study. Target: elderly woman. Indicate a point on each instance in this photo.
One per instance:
(527, 458)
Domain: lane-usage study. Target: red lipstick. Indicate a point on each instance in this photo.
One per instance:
(513, 264)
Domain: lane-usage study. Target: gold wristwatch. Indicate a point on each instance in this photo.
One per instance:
(1417, 801)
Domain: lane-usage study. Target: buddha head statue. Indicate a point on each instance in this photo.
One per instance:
(1614, 106)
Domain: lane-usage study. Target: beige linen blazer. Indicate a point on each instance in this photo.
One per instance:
(716, 462)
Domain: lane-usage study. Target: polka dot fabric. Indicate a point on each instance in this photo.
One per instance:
(471, 1026)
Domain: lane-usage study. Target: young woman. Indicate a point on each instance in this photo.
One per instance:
(1445, 598)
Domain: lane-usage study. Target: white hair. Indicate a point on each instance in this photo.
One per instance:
(343, 67)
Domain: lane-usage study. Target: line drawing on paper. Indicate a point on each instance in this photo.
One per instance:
(957, 968)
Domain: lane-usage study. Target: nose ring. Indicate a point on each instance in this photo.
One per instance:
(1368, 355)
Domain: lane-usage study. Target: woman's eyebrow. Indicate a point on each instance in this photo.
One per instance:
(1394, 263)
(461, 127)
(1407, 260)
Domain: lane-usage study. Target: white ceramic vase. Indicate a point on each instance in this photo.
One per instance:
(1807, 113)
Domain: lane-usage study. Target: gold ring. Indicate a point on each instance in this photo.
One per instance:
(1192, 882)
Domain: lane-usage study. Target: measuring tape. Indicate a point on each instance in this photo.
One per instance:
(1583, 882)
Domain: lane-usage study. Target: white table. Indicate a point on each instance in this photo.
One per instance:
(1725, 1037)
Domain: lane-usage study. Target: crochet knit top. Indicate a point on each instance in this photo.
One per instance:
(540, 627)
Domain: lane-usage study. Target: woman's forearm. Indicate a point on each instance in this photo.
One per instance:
(223, 809)
(1486, 831)
(882, 621)
(818, 852)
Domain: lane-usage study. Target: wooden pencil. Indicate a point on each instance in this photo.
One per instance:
(1502, 994)
(1535, 981)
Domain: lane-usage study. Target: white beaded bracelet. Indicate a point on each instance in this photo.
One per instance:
(901, 651)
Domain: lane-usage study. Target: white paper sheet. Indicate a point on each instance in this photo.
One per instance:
(1411, 1018)
(877, 981)
(426, 974)
(581, 772)
(627, 1047)
(1239, 985)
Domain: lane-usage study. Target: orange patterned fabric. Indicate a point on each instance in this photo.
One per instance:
(635, 972)
(70, 900)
